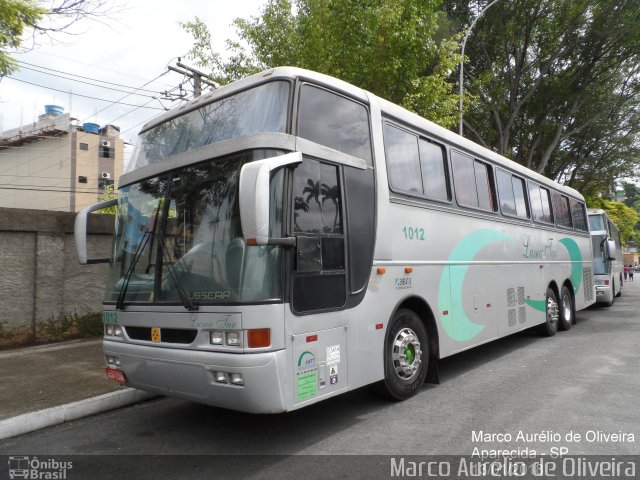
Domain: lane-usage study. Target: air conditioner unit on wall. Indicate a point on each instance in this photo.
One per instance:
(105, 143)
(106, 175)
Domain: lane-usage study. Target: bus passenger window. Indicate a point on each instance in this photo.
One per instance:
(561, 210)
(540, 203)
(434, 171)
(464, 180)
(578, 215)
(545, 197)
(483, 186)
(519, 196)
(505, 191)
(334, 121)
(403, 160)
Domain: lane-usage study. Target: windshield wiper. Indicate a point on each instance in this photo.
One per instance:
(127, 277)
(166, 257)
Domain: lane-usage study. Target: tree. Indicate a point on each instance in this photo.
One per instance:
(15, 15)
(19, 16)
(557, 83)
(624, 217)
(393, 48)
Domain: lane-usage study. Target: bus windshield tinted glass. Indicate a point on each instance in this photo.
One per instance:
(259, 109)
(596, 223)
(178, 240)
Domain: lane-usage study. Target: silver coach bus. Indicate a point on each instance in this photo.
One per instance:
(290, 237)
(607, 256)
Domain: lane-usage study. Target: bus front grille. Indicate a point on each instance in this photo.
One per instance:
(167, 335)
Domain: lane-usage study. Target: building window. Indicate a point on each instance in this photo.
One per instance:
(84, 146)
(106, 152)
(82, 179)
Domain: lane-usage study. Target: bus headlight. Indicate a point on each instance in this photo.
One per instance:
(216, 338)
(222, 377)
(233, 339)
(108, 329)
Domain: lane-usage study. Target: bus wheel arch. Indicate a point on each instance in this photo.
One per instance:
(566, 306)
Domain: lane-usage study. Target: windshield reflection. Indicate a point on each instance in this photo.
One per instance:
(178, 240)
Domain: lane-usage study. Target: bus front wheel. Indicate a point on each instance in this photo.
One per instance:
(406, 355)
(566, 309)
(550, 326)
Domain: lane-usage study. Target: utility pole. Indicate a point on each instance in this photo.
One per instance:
(199, 78)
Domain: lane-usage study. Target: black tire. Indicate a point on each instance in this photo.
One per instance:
(613, 295)
(620, 292)
(567, 310)
(406, 356)
(550, 326)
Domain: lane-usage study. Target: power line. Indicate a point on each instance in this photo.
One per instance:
(89, 83)
(84, 96)
(81, 76)
(74, 60)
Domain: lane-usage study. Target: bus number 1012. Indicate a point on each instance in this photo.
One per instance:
(411, 233)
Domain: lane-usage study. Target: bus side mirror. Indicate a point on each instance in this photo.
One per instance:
(80, 231)
(610, 249)
(254, 198)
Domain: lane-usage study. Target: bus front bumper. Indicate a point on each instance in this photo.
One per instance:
(604, 293)
(191, 375)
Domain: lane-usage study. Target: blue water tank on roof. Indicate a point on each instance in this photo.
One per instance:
(91, 128)
(55, 110)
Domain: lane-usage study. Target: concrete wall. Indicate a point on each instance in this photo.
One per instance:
(41, 279)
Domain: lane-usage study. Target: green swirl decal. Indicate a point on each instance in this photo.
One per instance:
(576, 261)
(456, 323)
(576, 272)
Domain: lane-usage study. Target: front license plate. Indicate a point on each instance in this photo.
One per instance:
(115, 375)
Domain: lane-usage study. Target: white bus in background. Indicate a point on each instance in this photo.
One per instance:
(608, 263)
(290, 237)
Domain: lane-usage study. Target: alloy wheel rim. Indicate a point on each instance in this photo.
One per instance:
(406, 354)
(552, 312)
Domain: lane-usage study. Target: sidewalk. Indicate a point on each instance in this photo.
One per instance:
(49, 384)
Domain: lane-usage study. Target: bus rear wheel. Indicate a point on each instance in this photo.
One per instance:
(550, 326)
(406, 355)
(566, 309)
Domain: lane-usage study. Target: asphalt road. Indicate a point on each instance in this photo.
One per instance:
(578, 391)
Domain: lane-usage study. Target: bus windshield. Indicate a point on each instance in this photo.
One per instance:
(260, 109)
(596, 223)
(178, 239)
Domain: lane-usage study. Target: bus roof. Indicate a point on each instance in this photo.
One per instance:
(388, 108)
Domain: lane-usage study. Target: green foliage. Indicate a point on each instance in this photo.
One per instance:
(389, 47)
(558, 85)
(71, 325)
(15, 16)
(624, 217)
(110, 193)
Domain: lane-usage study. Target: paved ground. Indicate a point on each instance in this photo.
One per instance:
(585, 381)
(35, 378)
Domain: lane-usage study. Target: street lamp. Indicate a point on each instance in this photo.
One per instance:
(464, 43)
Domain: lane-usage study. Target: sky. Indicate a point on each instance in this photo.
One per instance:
(130, 48)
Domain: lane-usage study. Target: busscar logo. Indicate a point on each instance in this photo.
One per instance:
(38, 469)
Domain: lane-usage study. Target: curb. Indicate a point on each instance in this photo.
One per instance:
(30, 422)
